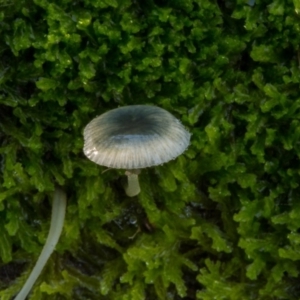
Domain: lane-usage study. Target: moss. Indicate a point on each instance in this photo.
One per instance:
(223, 223)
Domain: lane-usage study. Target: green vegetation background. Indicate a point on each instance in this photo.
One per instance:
(221, 221)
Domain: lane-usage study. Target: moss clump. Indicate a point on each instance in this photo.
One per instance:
(221, 221)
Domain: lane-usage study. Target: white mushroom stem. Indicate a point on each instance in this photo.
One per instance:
(57, 222)
(133, 187)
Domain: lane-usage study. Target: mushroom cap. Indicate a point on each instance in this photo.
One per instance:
(134, 137)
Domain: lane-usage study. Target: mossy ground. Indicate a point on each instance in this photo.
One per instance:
(221, 221)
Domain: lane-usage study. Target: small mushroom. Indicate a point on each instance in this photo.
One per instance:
(134, 137)
(56, 226)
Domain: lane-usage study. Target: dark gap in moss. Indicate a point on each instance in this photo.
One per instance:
(129, 225)
(212, 213)
(233, 203)
(9, 272)
(28, 55)
(118, 185)
(70, 107)
(161, 3)
(245, 62)
(27, 89)
(6, 112)
(204, 119)
(35, 215)
(292, 285)
(6, 58)
(47, 67)
(191, 283)
(95, 252)
(82, 293)
(85, 266)
(266, 227)
(142, 7)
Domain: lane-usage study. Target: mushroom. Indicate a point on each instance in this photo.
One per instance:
(134, 137)
(56, 226)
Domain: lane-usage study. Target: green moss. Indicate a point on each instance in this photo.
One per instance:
(219, 222)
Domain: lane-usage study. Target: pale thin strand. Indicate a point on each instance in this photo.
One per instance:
(56, 226)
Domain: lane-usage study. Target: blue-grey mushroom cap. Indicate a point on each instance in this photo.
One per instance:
(134, 137)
